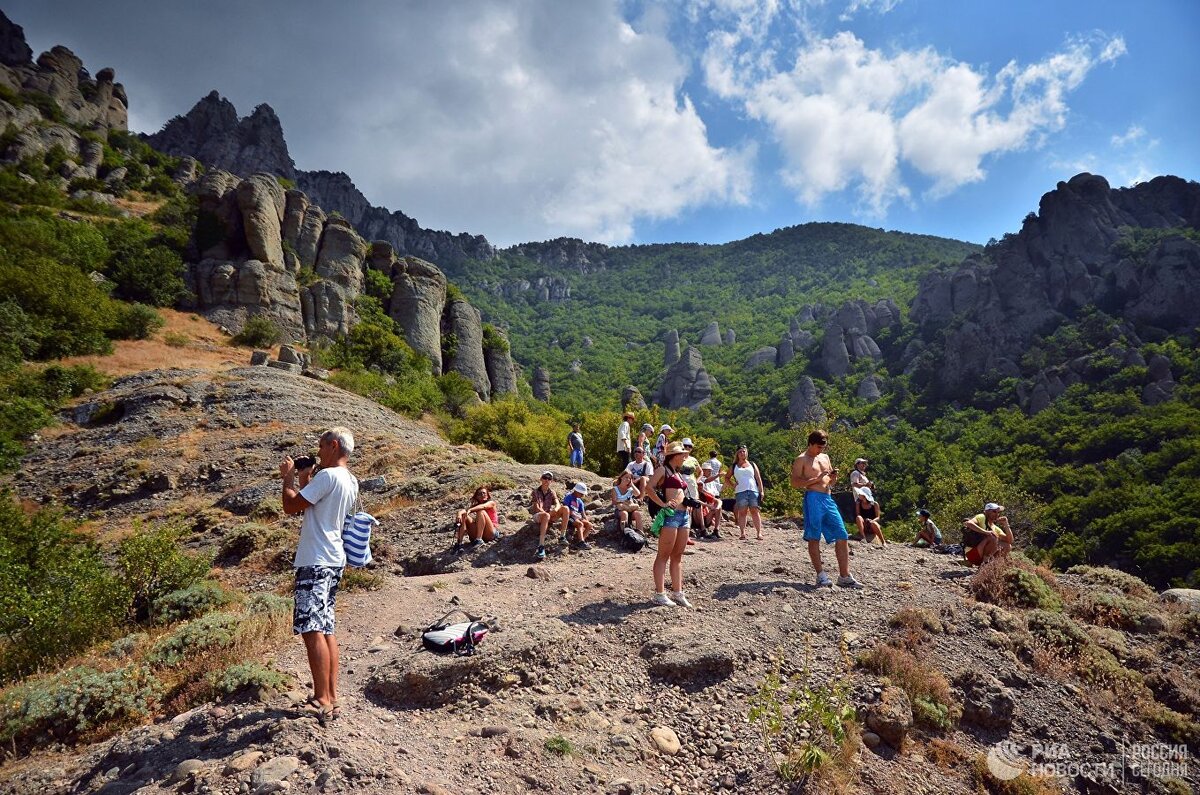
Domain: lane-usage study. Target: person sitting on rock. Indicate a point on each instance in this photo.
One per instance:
(546, 510)
(986, 535)
(859, 479)
(577, 521)
(626, 499)
(866, 516)
(928, 534)
(478, 521)
(641, 469)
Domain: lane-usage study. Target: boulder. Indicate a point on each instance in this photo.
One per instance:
(835, 358)
(502, 374)
(1188, 597)
(805, 407)
(986, 702)
(730, 336)
(711, 335)
(261, 201)
(670, 348)
(862, 346)
(686, 383)
(340, 259)
(870, 388)
(762, 356)
(631, 398)
(541, 383)
(890, 717)
(466, 357)
(288, 354)
(418, 298)
(665, 740)
(785, 352)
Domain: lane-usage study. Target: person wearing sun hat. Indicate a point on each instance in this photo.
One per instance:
(667, 492)
(624, 448)
(664, 436)
(690, 469)
(576, 504)
(987, 534)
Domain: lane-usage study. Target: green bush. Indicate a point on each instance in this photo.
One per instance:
(528, 432)
(242, 676)
(29, 395)
(1058, 631)
(1102, 576)
(409, 396)
(126, 646)
(207, 633)
(191, 602)
(56, 595)
(240, 541)
(136, 322)
(152, 565)
(268, 604)
(259, 332)
(66, 704)
(379, 286)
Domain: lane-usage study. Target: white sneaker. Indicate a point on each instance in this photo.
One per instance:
(823, 580)
(849, 582)
(680, 599)
(662, 600)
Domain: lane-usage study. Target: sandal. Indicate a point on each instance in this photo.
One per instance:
(335, 711)
(318, 710)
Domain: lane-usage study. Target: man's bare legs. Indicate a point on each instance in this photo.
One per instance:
(323, 663)
(841, 550)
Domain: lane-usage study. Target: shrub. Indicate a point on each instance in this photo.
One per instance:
(916, 618)
(244, 539)
(207, 633)
(1103, 576)
(176, 340)
(921, 681)
(409, 396)
(360, 580)
(136, 322)
(56, 595)
(1058, 632)
(1171, 725)
(559, 745)
(192, 601)
(1120, 612)
(243, 676)
(68, 703)
(804, 723)
(458, 393)
(530, 434)
(259, 332)
(126, 646)
(1015, 582)
(152, 565)
(1099, 667)
(268, 604)
(378, 285)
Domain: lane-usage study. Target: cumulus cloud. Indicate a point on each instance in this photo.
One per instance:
(848, 116)
(1134, 134)
(877, 6)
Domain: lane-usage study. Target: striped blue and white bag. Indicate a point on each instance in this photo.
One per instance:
(356, 537)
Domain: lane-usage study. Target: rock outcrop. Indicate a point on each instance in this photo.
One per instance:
(497, 356)
(996, 305)
(762, 356)
(418, 298)
(212, 133)
(464, 346)
(670, 348)
(686, 384)
(631, 398)
(98, 102)
(804, 407)
(541, 383)
(711, 335)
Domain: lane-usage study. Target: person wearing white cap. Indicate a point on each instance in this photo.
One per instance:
(859, 479)
(576, 504)
(987, 535)
(710, 495)
(624, 445)
(643, 440)
(690, 470)
(664, 435)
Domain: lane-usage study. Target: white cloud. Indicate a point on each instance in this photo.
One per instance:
(848, 116)
(1134, 134)
(877, 6)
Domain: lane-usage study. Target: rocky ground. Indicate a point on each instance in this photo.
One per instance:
(583, 686)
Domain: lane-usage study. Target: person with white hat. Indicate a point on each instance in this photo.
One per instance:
(576, 504)
(859, 479)
(664, 435)
(643, 440)
(987, 535)
(668, 492)
(710, 495)
(690, 469)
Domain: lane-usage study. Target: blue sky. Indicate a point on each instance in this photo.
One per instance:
(693, 120)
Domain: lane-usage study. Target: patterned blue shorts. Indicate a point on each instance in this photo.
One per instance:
(316, 592)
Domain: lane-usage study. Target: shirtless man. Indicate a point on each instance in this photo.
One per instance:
(814, 473)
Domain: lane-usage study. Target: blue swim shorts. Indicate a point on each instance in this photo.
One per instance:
(821, 518)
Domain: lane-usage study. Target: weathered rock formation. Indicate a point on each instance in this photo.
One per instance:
(996, 305)
(686, 384)
(565, 253)
(212, 133)
(670, 348)
(711, 335)
(631, 398)
(553, 289)
(418, 299)
(762, 356)
(497, 355)
(464, 346)
(730, 336)
(804, 407)
(870, 388)
(541, 383)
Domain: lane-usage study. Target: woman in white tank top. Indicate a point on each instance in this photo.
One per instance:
(746, 481)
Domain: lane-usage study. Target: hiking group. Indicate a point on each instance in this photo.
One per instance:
(663, 482)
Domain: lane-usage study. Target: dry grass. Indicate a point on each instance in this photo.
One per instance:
(391, 505)
(946, 754)
(207, 349)
(1023, 784)
(139, 204)
(915, 676)
(1014, 581)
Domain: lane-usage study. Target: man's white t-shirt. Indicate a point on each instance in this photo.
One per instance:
(713, 487)
(332, 493)
(623, 437)
(715, 463)
(635, 468)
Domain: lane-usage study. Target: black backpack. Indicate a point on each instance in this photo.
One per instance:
(633, 540)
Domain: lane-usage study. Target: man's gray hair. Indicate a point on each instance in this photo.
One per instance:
(343, 437)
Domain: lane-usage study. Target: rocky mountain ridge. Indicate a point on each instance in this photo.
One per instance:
(212, 133)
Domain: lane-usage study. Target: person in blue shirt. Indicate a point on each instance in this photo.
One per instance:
(576, 504)
(575, 445)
